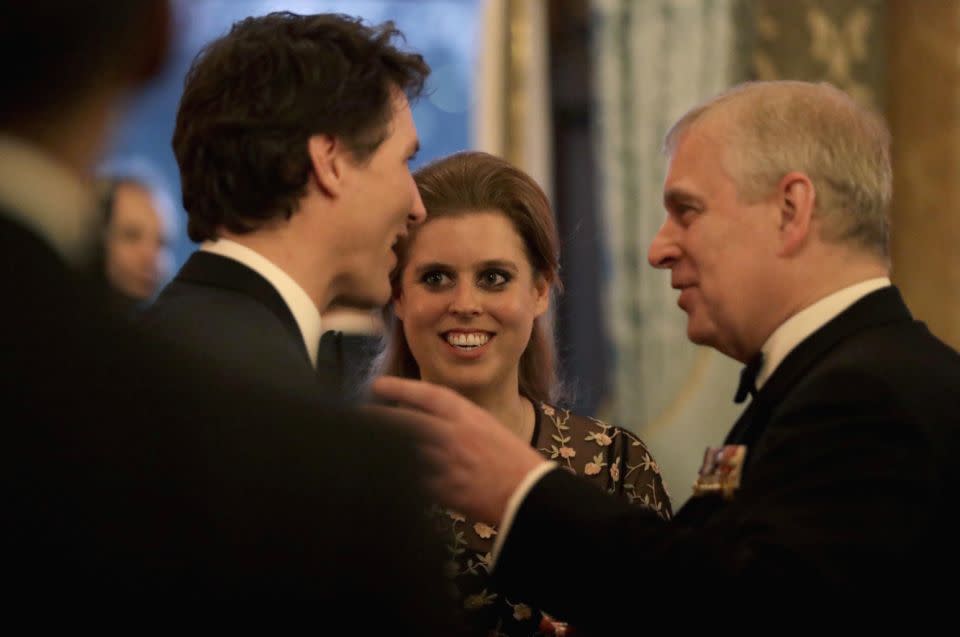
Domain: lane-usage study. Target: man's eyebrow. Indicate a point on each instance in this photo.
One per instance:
(675, 196)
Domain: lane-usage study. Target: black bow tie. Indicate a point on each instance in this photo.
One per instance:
(748, 379)
(330, 359)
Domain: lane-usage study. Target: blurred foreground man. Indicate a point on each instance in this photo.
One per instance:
(130, 483)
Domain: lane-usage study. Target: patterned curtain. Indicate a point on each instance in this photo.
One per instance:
(654, 60)
(837, 41)
(511, 116)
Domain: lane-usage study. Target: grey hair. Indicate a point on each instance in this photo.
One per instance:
(774, 128)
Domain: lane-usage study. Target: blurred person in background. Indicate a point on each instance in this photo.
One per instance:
(138, 230)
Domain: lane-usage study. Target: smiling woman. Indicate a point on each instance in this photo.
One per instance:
(468, 300)
(470, 311)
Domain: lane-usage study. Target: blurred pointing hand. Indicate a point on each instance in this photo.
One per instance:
(474, 462)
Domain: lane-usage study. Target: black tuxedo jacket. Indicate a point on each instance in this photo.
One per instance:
(130, 482)
(232, 314)
(849, 492)
(345, 360)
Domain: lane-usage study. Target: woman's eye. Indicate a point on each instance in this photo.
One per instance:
(494, 278)
(434, 279)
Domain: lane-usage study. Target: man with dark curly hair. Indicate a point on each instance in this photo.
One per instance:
(293, 138)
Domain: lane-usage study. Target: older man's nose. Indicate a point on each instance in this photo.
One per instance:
(664, 250)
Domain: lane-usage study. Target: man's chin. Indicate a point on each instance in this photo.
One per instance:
(368, 299)
(699, 334)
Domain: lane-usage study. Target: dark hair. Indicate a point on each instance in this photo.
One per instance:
(470, 182)
(97, 40)
(136, 172)
(254, 97)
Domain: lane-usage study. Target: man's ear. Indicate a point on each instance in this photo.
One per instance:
(797, 201)
(398, 305)
(326, 159)
(541, 287)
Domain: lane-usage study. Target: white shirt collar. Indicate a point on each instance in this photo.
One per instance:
(42, 194)
(807, 321)
(353, 321)
(303, 309)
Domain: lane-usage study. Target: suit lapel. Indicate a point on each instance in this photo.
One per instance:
(744, 423)
(877, 308)
(204, 268)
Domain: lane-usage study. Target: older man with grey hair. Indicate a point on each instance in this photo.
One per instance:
(834, 478)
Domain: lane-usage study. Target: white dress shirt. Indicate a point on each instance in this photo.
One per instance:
(303, 309)
(48, 198)
(807, 321)
(783, 340)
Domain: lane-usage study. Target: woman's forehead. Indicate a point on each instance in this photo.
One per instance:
(465, 237)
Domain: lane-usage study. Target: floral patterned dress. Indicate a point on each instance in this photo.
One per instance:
(610, 457)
